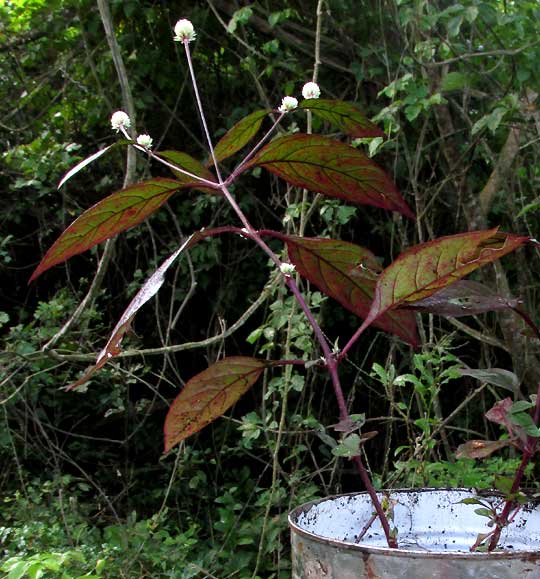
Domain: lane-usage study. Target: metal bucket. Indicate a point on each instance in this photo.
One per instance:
(436, 532)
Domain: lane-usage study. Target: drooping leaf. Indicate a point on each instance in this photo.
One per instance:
(110, 216)
(85, 162)
(463, 298)
(208, 395)
(147, 291)
(480, 448)
(239, 135)
(189, 163)
(494, 376)
(424, 269)
(343, 115)
(326, 166)
(348, 273)
(499, 412)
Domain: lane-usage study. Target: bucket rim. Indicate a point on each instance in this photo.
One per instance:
(529, 554)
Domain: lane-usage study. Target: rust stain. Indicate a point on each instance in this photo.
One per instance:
(369, 573)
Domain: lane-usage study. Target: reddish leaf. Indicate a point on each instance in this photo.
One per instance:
(344, 116)
(239, 135)
(148, 290)
(463, 298)
(188, 163)
(348, 273)
(208, 395)
(480, 448)
(335, 169)
(499, 412)
(424, 269)
(110, 216)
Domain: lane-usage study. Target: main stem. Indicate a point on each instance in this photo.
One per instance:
(330, 359)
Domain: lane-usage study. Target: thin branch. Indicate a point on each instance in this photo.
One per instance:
(468, 55)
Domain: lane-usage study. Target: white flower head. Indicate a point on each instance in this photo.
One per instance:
(145, 141)
(287, 268)
(288, 103)
(311, 90)
(120, 120)
(184, 31)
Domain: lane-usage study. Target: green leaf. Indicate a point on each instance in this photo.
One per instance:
(454, 25)
(534, 206)
(491, 121)
(494, 376)
(190, 164)
(483, 512)
(525, 421)
(503, 483)
(424, 269)
(521, 406)
(471, 501)
(454, 81)
(348, 273)
(326, 166)
(239, 135)
(208, 395)
(18, 570)
(343, 115)
(348, 447)
(110, 216)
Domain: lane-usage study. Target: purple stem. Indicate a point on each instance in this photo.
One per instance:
(331, 360)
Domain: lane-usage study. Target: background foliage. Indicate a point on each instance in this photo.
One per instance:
(86, 491)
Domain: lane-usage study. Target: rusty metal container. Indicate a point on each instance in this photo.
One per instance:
(436, 532)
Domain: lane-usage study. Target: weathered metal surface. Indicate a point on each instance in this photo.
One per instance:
(435, 534)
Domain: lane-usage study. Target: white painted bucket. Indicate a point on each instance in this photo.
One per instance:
(436, 532)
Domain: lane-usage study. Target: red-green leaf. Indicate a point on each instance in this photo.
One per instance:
(110, 216)
(343, 115)
(335, 169)
(208, 395)
(147, 291)
(424, 269)
(480, 448)
(348, 273)
(239, 135)
(188, 163)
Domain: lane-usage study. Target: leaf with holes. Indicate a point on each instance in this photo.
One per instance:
(424, 269)
(463, 298)
(209, 395)
(239, 135)
(348, 273)
(147, 291)
(480, 448)
(190, 164)
(326, 166)
(343, 115)
(110, 216)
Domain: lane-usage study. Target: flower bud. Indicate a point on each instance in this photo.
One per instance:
(120, 120)
(287, 268)
(184, 31)
(311, 90)
(145, 141)
(288, 103)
